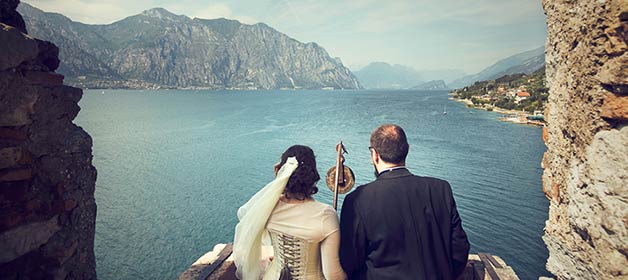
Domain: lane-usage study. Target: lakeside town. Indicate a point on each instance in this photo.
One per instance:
(521, 98)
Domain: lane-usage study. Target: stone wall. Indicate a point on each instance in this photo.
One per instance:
(586, 164)
(47, 207)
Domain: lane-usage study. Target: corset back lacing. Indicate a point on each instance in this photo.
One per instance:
(290, 252)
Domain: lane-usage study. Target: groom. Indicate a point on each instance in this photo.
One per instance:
(400, 226)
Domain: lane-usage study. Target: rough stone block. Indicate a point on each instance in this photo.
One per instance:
(33, 204)
(53, 169)
(613, 72)
(16, 175)
(17, 111)
(9, 16)
(64, 253)
(47, 59)
(60, 274)
(44, 78)
(608, 164)
(60, 188)
(615, 107)
(26, 158)
(616, 33)
(24, 52)
(10, 219)
(13, 191)
(555, 193)
(21, 240)
(13, 156)
(16, 105)
(10, 157)
(12, 134)
(16, 47)
(56, 107)
(70, 204)
(57, 206)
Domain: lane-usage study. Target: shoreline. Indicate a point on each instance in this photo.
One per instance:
(511, 116)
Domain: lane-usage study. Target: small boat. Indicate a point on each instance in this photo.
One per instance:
(536, 117)
(444, 111)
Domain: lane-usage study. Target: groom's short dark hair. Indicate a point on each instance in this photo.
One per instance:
(390, 142)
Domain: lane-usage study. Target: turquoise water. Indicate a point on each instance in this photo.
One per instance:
(174, 166)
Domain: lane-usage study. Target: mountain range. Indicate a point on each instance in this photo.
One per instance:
(160, 49)
(381, 75)
(526, 62)
(432, 85)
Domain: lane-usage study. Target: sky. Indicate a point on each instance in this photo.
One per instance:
(424, 34)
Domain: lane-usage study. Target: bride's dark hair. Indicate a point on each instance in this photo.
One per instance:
(302, 182)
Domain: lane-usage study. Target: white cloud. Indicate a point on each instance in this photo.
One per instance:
(401, 14)
(221, 11)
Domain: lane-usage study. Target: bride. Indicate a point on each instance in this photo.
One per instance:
(304, 233)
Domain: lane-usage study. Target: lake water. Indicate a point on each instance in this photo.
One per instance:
(174, 166)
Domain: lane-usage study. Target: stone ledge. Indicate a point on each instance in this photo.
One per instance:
(476, 269)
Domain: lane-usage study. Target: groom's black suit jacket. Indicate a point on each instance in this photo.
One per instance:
(402, 226)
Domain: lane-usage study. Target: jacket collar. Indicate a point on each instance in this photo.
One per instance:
(396, 173)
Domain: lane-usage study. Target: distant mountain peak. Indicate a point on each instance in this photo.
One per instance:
(378, 63)
(524, 62)
(226, 20)
(159, 13)
(263, 25)
(384, 75)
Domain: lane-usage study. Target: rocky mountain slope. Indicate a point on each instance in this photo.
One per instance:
(525, 62)
(160, 49)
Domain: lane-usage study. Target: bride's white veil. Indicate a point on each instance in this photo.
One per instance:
(253, 215)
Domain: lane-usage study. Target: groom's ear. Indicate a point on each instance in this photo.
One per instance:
(374, 156)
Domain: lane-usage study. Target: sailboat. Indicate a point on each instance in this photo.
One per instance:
(444, 111)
